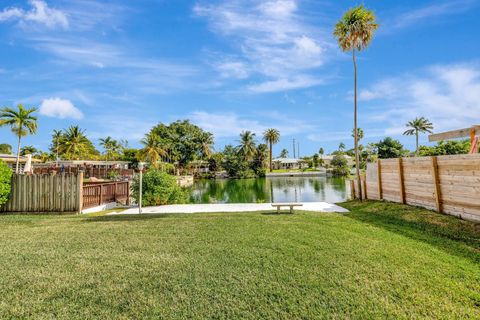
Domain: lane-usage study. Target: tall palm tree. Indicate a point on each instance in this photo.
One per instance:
(418, 125)
(152, 149)
(341, 147)
(247, 146)
(74, 142)
(354, 32)
(271, 136)
(28, 150)
(22, 122)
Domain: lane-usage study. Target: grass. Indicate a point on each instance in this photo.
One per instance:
(381, 260)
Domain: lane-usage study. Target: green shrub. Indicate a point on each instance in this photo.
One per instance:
(5, 182)
(159, 188)
(340, 165)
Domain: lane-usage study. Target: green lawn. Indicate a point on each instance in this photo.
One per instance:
(379, 261)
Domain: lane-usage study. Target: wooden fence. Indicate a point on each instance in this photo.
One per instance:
(96, 194)
(59, 193)
(447, 184)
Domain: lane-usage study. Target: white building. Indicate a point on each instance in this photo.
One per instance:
(289, 164)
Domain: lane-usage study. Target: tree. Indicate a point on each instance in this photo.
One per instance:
(152, 149)
(75, 145)
(247, 148)
(205, 140)
(446, 148)
(22, 122)
(321, 151)
(417, 126)
(340, 165)
(5, 182)
(354, 31)
(28, 150)
(359, 134)
(158, 188)
(390, 148)
(315, 160)
(271, 136)
(57, 136)
(260, 159)
(5, 148)
(341, 147)
(283, 153)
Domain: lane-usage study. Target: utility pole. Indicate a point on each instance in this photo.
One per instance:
(294, 156)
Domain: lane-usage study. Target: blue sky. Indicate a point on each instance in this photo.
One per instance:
(119, 67)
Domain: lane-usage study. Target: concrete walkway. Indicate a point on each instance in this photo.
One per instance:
(232, 207)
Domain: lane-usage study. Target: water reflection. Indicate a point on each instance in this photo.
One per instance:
(278, 189)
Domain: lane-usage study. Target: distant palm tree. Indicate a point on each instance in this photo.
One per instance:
(321, 151)
(74, 142)
(57, 137)
(360, 134)
(341, 147)
(247, 146)
(283, 153)
(152, 149)
(206, 144)
(354, 32)
(21, 122)
(271, 136)
(418, 125)
(28, 150)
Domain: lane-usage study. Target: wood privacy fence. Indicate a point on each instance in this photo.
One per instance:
(447, 184)
(61, 193)
(45, 193)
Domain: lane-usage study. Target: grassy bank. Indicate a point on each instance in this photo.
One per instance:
(381, 260)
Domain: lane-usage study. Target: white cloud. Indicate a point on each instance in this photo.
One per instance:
(224, 125)
(285, 84)
(60, 108)
(447, 95)
(271, 38)
(431, 12)
(40, 13)
(233, 69)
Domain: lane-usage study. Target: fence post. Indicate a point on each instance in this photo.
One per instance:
(101, 195)
(364, 184)
(379, 179)
(115, 192)
(400, 177)
(352, 189)
(80, 191)
(436, 185)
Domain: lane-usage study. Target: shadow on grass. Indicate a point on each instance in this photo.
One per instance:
(131, 217)
(448, 233)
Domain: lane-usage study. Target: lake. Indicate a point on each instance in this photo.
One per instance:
(274, 189)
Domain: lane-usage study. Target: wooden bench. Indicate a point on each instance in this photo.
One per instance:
(290, 205)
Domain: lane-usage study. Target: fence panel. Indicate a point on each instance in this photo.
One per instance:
(447, 184)
(45, 193)
(103, 193)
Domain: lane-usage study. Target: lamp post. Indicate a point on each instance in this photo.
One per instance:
(140, 167)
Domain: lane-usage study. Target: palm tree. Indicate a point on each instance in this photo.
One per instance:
(271, 136)
(360, 134)
(341, 147)
(206, 144)
(321, 152)
(418, 125)
(247, 146)
(283, 153)
(110, 146)
(28, 150)
(74, 142)
(57, 137)
(152, 149)
(21, 122)
(354, 31)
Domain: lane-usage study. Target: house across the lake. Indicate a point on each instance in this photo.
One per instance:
(11, 160)
(289, 164)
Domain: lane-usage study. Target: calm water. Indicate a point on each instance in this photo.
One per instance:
(279, 189)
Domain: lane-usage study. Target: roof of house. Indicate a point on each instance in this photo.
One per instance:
(289, 160)
(12, 158)
(88, 162)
